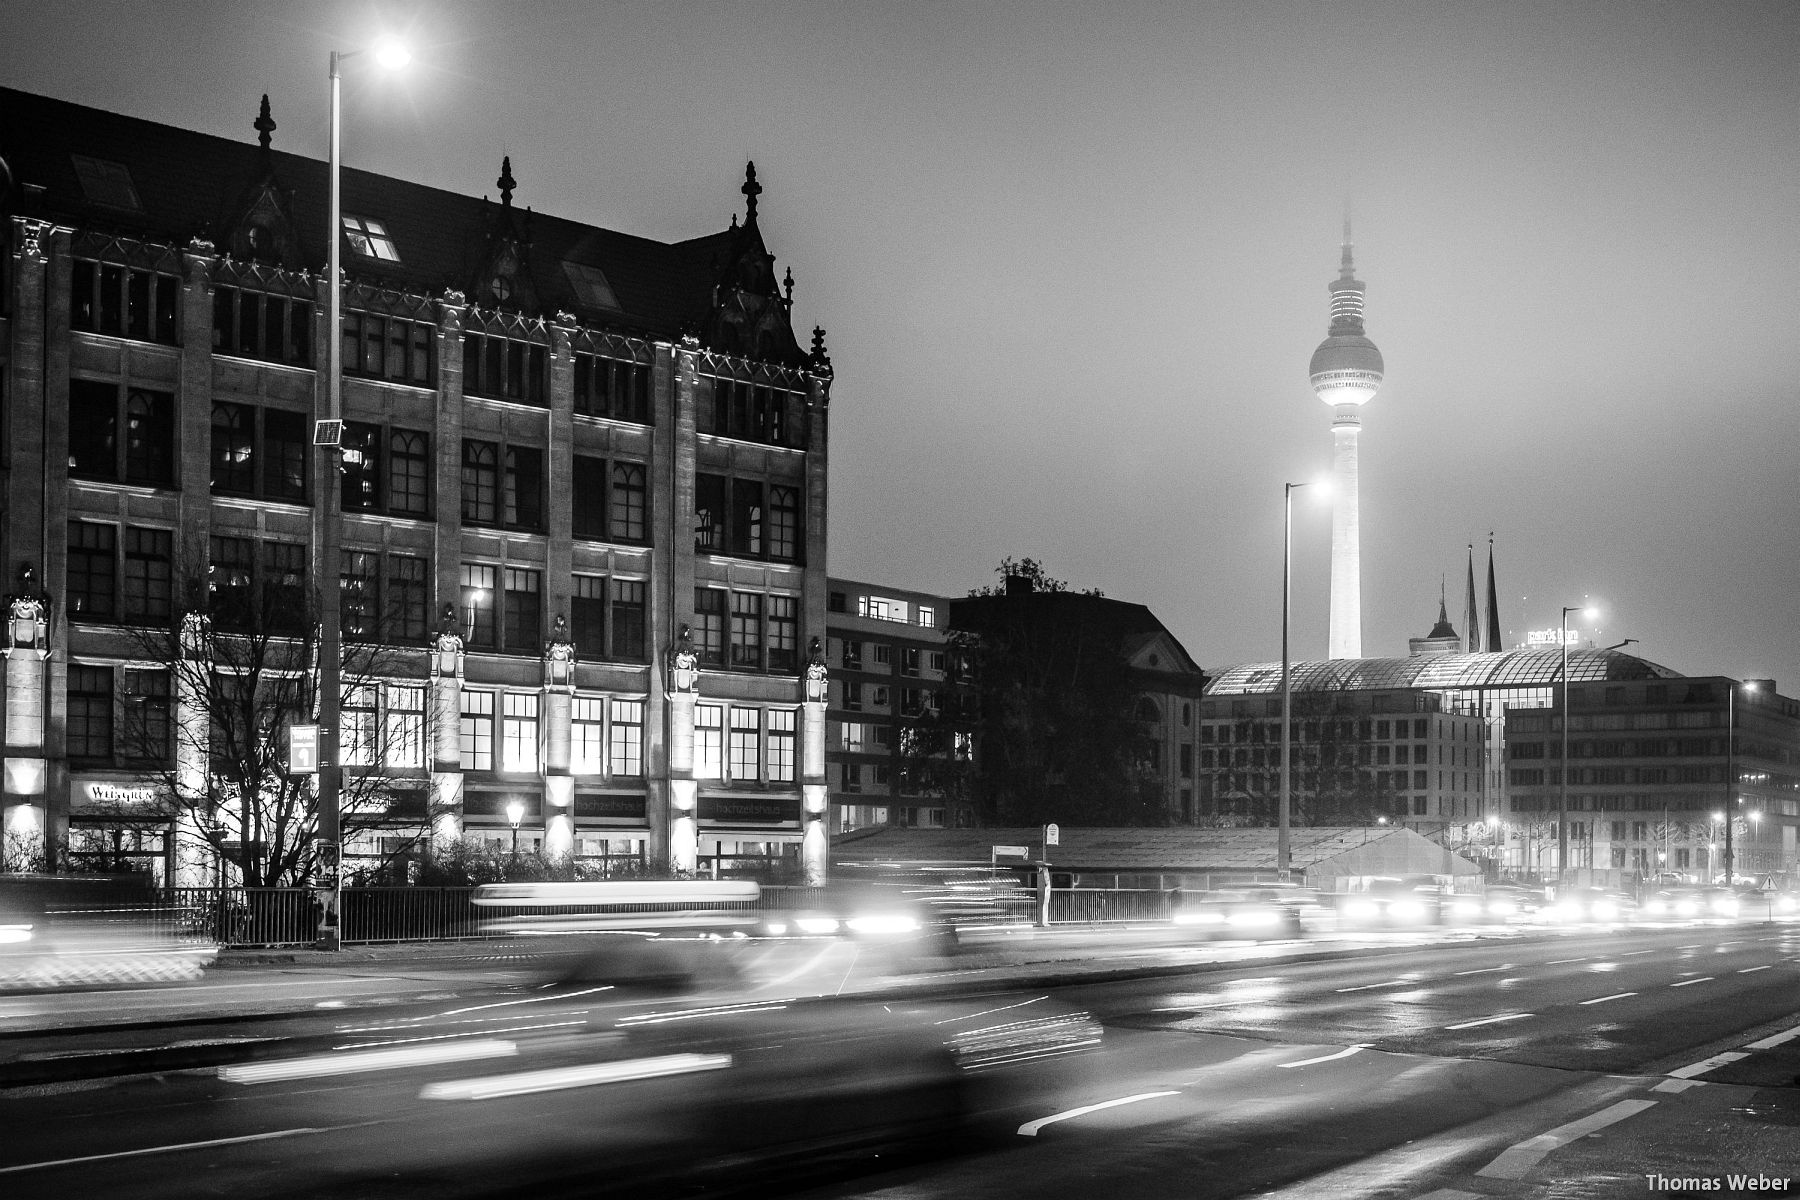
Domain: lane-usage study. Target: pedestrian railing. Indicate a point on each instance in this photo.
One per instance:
(1103, 905)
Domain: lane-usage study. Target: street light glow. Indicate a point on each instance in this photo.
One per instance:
(392, 54)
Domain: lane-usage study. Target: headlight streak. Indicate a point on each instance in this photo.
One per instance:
(373, 1060)
(723, 1010)
(1030, 1128)
(456, 1012)
(986, 1011)
(494, 1087)
(445, 1037)
(15, 933)
(883, 923)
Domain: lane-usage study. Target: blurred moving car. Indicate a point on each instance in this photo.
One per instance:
(73, 931)
(1390, 902)
(1253, 912)
(1504, 902)
(1677, 903)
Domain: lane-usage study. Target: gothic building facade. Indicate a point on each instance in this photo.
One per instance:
(582, 480)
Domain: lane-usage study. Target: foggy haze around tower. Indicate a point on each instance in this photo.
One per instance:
(1070, 259)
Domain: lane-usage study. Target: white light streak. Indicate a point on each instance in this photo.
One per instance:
(1604, 999)
(1490, 1020)
(1030, 1128)
(560, 1078)
(368, 1060)
(1307, 1062)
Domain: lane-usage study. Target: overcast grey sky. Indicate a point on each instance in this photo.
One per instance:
(1073, 261)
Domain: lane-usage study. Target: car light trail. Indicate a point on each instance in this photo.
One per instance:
(1346, 1053)
(1747, 970)
(560, 1078)
(1366, 986)
(174, 1149)
(1485, 970)
(1686, 982)
(1490, 1020)
(367, 1060)
(1604, 999)
(1030, 1128)
(1557, 962)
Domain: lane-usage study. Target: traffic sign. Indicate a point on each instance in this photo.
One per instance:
(1051, 834)
(303, 749)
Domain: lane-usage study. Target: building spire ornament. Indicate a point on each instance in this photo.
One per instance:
(751, 190)
(506, 182)
(264, 124)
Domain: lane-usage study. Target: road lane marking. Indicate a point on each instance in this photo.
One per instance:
(1747, 970)
(1629, 953)
(230, 1141)
(1707, 1064)
(1490, 1020)
(1560, 961)
(1604, 999)
(1773, 1040)
(1514, 1162)
(1366, 986)
(318, 1065)
(1030, 1128)
(1686, 982)
(1485, 970)
(1677, 1085)
(587, 1075)
(1307, 1062)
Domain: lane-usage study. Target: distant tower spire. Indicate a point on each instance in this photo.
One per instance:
(1493, 604)
(1346, 372)
(1471, 617)
(506, 182)
(264, 125)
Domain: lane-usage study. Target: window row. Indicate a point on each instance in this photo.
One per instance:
(912, 661)
(118, 715)
(610, 387)
(268, 591)
(753, 412)
(744, 745)
(256, 325)
(124, 301)
(502, 485)
(747, 631)
(746, 518)
(119, 573)
(505, 369)
(384, 469)
(260, 452)
(611, 500)
(500, 732)
(119, 433)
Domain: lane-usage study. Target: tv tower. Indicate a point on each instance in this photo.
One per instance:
(1346, 373)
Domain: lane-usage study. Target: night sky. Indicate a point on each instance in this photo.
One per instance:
(1073, 261)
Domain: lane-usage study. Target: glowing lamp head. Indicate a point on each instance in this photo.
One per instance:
(392, 54)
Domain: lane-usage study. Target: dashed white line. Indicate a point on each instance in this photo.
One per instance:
(1366, 986)
(1490, 1020)
(1707, 1064)
(1686, 982)
(229, 1141)
(1629, 953)
(1307, 1062)
(1604, 999)
(1747, 970)
(1514, 1162)
(1677, 1085)
(1030, 1128)
(1485, 970)
(1557, 962)
(1773, 1040)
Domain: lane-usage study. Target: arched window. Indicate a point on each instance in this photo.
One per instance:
(629, 503)
(1147, 711)
(233, 439)
(784, 523)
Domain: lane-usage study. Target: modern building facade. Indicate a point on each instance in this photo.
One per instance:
(887, 652)
(1346, 372)
(582, 477)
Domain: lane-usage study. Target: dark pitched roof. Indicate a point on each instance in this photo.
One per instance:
(1130, 624)
(188, 184)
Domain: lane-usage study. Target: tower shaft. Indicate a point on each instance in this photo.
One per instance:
(1346, 539)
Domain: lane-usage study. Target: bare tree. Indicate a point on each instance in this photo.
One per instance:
(242, 669)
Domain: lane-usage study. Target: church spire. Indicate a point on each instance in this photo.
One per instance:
(506, 183)
(751, 190)
(264, 125)
(1471, 615)
(1493, 603)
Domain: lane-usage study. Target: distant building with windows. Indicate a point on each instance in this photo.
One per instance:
(582, 477)
(886, 653)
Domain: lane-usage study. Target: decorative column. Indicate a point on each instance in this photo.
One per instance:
(684, 817)
(445, 708)
(23, 821)
(193, 862)
(815, 842)
(557, 733)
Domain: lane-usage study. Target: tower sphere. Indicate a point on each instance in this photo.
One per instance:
(1346, 369)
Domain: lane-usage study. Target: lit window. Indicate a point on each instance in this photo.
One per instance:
(879, 608)
(369, 238)
(709, 737)
(477, 731)
(587, 745)
(627, 737)
(519, 732)
(405, 726)
(358, 723)
(927, 615)
(746, 734)
(781, 745)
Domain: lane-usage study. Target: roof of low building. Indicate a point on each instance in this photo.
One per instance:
(1447, 672)
(1391, 849)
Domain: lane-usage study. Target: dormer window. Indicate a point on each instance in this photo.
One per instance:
(106, 182)
(369, 238)
(589, 283)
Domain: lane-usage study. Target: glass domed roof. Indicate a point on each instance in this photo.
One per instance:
(1437, 672)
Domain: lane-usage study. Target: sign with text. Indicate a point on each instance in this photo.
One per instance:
(748, 808)
(303, 749)
(1012, 851)
(1052, 835)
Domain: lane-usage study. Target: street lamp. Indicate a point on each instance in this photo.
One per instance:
(1284, 806)
(515, 812)
(1562, 791)
(327, 440)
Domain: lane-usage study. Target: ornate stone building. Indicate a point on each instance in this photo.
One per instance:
(582, 477)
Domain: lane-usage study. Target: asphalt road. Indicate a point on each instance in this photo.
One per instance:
(1404, 1072)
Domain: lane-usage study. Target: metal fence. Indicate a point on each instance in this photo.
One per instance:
(237, 916)
(1103, 905)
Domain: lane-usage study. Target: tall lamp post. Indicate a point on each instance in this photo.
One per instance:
(327, 441)
(1731, 800)
(1284, 806)
(1562, 790)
